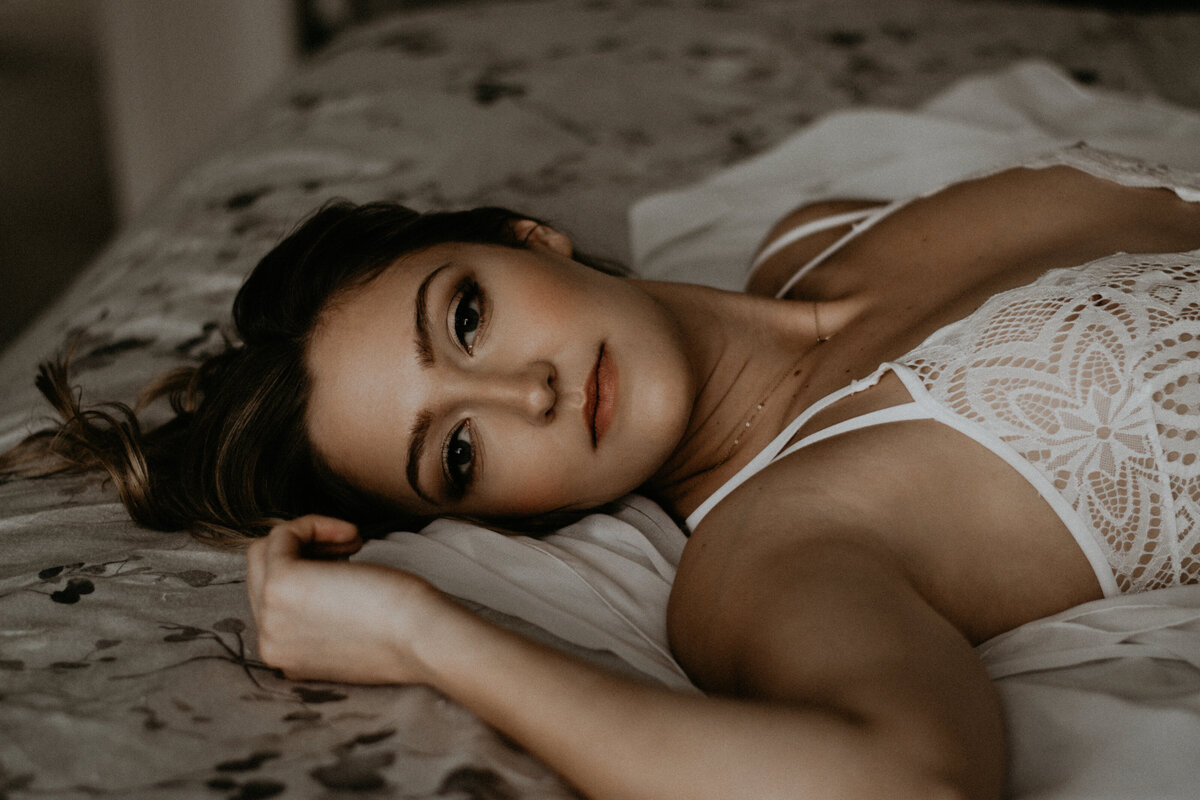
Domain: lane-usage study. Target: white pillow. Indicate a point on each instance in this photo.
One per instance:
(601, 584)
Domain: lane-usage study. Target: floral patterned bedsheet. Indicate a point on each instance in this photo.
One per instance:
(127, 659)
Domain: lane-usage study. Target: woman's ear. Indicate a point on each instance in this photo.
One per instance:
(536, 235)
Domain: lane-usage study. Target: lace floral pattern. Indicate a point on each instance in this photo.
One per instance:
(1092, 376)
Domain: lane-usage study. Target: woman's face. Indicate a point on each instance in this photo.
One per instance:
(493, 381)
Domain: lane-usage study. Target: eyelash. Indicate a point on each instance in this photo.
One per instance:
(467, 316)
(459, 481)
(468, 294)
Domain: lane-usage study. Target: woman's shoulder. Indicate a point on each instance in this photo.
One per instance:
(996, 231)
(1096, 189)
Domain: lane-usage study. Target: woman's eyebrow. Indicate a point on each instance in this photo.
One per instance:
(416, 448)
(424, 345)
(423, 341)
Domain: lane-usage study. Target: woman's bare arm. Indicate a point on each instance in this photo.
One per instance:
(611, 736)
(832, 622)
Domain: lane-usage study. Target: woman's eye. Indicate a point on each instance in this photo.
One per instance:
(466, 315)
(459, 458)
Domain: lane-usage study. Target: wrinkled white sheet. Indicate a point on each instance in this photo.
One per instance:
(600, 584)
(1103, 700)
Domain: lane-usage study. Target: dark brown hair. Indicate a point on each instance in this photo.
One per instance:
(236, 457)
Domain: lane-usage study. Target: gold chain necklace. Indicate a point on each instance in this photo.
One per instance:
(817, 326)
(791, 372)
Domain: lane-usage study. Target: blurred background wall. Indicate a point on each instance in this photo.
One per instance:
(102, 103)
(55, 203)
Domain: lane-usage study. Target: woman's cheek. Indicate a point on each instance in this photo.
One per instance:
(532, 480)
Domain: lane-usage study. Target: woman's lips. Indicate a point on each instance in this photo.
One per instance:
(601, 396)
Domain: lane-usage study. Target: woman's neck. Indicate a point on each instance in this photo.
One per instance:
(749, 357)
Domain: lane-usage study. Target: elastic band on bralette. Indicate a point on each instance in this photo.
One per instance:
(904, 412)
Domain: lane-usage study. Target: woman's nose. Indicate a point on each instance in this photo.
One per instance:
(529, 391)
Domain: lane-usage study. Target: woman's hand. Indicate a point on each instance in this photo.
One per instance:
(334, 620)
(839, 709)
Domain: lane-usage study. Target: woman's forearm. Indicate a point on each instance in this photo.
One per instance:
(611, 736)
(614, 737)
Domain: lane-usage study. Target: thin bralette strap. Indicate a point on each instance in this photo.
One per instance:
(903, 412)
(865, 223)
(808, 229)
(769, 453)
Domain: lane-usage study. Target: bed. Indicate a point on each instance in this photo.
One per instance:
(662, 132)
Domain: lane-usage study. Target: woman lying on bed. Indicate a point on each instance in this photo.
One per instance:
(1030, 444)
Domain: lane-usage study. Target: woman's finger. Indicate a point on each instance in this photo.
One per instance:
(289, 542)
(315, 535)
(284, 541)
(330, 537)
(318, 528)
